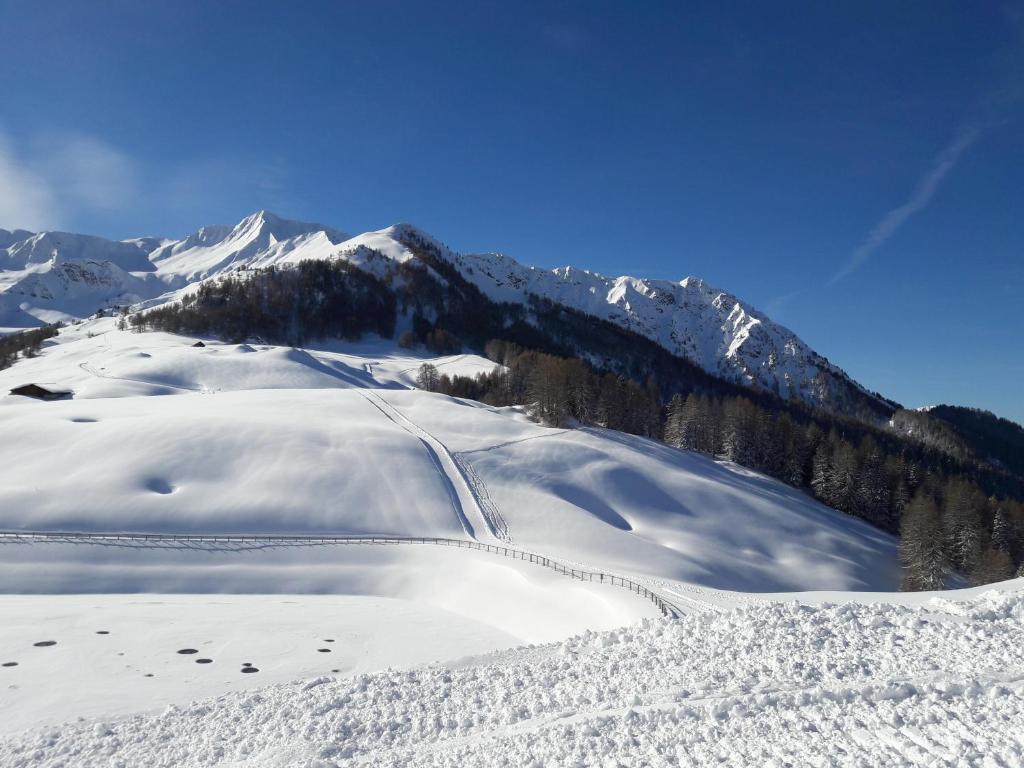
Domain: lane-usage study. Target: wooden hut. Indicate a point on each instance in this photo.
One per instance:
(40, 392)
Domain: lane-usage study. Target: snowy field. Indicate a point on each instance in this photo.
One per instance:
(939, 683)
(164, 437)
(118, 654)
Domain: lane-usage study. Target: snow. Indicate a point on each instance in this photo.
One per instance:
(936, 683)
(712, 328)
(134, 666)
(262, 237)
(775, 660)
(259, 439)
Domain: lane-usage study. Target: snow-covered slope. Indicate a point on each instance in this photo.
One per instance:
(52, 276)
(265, 439)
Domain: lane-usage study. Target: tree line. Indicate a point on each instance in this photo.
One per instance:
(24, 344)
(946, 522)
(291, 305)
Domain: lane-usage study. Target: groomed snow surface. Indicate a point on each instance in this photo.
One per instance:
(779, 684)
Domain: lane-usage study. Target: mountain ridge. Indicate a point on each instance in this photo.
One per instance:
(53, 276)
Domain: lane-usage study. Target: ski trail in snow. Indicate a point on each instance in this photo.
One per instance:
(431, 445)
(472, 492)
(515, 442)
(495, 521)
(86, 365)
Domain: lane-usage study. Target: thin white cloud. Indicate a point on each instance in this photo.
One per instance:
(27, 200)
(91, 173)
(890, 223)
(58, 176)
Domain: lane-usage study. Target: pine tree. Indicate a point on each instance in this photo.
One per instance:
(822, 482)
(1002, 531)
(962, 523)
(921, 550)
(673, 433)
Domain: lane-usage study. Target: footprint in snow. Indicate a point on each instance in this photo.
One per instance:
(9, 664)
(45, 643)
(187, 651)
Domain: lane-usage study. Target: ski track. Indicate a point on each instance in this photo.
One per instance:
(467, 486)
(516, 442)
(88, 367)
(430, 445)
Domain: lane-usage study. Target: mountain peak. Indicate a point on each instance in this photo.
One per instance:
(265, 222)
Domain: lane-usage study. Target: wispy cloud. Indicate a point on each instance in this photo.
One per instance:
(91, 173)
(27, 200)
(890, 223)
(56, 176)
(992, 111)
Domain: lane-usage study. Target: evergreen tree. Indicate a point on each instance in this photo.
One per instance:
(673, 433)
(921, 546)
(1002, 531)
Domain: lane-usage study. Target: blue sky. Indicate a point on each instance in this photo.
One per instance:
(856, 170)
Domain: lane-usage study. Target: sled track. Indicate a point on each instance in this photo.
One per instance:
(155, 540)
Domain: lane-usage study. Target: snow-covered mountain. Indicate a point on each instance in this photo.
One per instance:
(51, 276)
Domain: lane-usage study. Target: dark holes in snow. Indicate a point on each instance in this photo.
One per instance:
(328, 640)
(83, 420)
(148, 674)
(204, 661)
(9, 664)
(187, 651)
(159, 485)
(323, 650)
(45, 643)
(249, 670)
(102, 632)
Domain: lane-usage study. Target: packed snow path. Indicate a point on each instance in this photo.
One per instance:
(938, 684)
(467, 489)
(666, 607)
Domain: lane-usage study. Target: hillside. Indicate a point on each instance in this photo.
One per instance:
(991, 438)
(163, 436)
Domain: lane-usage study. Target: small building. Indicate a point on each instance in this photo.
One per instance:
(41, 393)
